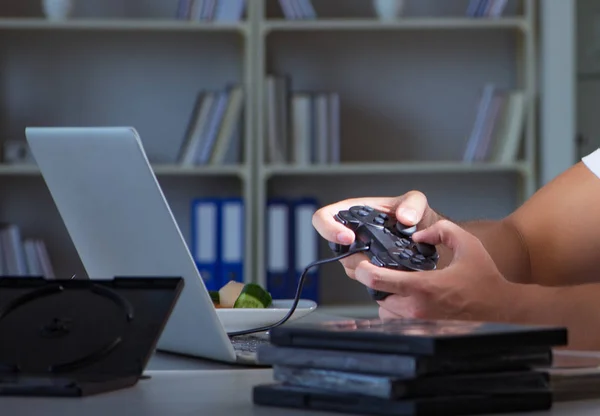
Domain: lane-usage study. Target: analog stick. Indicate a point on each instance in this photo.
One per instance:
(406, 231)
(426, 249)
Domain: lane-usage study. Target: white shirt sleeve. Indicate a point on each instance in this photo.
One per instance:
(592, 161)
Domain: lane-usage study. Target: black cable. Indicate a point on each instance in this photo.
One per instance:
(298, 292)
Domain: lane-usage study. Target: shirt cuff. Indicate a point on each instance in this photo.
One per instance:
(592, 161)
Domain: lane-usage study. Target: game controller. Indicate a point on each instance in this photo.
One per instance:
(389, 242)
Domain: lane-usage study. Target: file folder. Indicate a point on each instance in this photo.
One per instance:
(279, 249)
(232, 240)
(306, 248)
(205, 236)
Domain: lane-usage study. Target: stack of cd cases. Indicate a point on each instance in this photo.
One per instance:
(409, 367)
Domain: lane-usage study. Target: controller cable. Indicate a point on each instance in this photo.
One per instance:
(299, 292)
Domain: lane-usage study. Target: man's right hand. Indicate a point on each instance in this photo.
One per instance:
(410, 209)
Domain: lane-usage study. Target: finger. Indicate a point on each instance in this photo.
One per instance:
(443, 232)
(405, 306)
(389, 280)
(411, 208)
(385, 314)
(324, 222)
(351, 263)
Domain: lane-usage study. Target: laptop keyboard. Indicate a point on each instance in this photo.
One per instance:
(248, 343)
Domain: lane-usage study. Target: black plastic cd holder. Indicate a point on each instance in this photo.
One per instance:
(80, 337)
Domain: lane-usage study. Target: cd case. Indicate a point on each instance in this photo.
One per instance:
(80, 337)
(296, 397)
(395, 388)
(417, 336)
(405, 365)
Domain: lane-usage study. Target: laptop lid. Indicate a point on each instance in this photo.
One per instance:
(121, 224)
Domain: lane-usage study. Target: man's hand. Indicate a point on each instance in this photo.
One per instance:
(410, 209)
(469, 288)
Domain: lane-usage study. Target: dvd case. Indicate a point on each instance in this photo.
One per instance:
(417, 336)
(395, 388)
(404, 365)
(295, 397)
(80, 337)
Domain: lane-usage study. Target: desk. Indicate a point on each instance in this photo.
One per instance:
(188, 386)
(197, 393)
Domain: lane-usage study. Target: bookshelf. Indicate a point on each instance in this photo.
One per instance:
(119, 63)
(408, 92)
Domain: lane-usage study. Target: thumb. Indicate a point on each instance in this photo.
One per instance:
(445, 233)
(411, 207)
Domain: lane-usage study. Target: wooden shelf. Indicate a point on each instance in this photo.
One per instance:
(212, 170)
(120, 25)
(159, 169)
(458, 23)
(395, 168)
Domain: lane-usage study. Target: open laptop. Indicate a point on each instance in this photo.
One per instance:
(121, 225)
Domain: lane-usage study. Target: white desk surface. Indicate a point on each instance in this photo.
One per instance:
(190, 386)
(197, 392)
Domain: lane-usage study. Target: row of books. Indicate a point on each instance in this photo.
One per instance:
(486, 8)
(303, 127)
(297, 9)
(215, 127)
(498, 129)
(303, 9)
(217, 244)
(23, 256)
(211, 10)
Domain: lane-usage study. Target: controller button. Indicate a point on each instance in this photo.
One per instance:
(377, 295)
(340, 217)
(404, 242)
(404, 255)
(428, 265)
(404, 230)
(338, 248)
(399, 244)
(415, 260)
(378, 220)
(387, 260)
(376, 261)
(383, 216)
(425, 249)
(363, 213)
(368, 208)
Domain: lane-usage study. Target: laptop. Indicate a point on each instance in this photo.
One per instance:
(121, 225)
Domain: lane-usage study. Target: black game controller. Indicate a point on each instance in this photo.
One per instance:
(389, 241)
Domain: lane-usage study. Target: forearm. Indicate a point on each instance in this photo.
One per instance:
(574, 307)
(504, 244)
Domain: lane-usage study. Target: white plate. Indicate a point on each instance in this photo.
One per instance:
(243, 319)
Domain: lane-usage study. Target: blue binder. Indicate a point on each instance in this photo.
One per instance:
(232, 240)
(305, 241)
(278, 253)
(206, 240)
